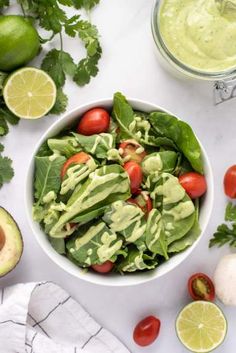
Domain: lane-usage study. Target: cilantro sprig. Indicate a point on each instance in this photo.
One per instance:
(226, 233)
(52, 17)
(6, 170)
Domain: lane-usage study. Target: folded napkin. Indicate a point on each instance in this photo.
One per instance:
(43, 318)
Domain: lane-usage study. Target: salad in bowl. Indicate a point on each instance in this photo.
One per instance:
(119, 189)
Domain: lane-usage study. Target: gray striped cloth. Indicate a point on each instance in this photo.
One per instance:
(43, 318)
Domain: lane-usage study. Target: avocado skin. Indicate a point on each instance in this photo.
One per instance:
(18, 235)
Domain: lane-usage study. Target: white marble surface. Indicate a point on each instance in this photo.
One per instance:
(129, 64)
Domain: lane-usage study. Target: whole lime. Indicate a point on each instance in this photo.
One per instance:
(19, 42)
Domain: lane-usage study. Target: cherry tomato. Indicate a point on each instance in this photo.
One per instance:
(147, 331)
(103, 268)
(135, 175)
(201, 287)
(194, 184)
(78, 158)
(230, 182)
(142, 201)
(94, 121)
(131, 148)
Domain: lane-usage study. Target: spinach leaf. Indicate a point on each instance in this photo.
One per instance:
(67, 145)
(175, 205)
(97, 145)
(103, 186)
(127, 220)
(135, 124)
(88, 216)
(47, 176)
(182, 135)
(58, 245)
(190, 237)
(136, 261)
(155, 235)
(159, 162)
(123, 114)
(44, 150)
(96, 246)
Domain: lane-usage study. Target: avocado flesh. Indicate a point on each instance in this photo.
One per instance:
(11, 243)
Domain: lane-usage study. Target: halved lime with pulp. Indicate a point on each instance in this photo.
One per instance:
(201, 326)
(29, 93)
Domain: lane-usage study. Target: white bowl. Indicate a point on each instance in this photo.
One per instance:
(111, 279)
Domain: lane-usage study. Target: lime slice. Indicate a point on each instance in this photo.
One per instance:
(29, 93)
(201, 326)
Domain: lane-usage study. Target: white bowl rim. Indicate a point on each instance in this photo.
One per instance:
(68, 266)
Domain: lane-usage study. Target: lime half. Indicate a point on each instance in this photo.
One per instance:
(201, 326)
(29, 93)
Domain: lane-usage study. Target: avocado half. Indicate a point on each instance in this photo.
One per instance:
(11, 243)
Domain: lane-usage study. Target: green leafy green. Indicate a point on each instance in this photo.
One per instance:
(60, 104)
(155, 235)
(58, 245)
(183, 243)
(230, 212)
(97, 145)
(182, 135)
(224, 234)
(159, 162)
(175, 205)
(96, 246)
(87, 4)
(136, 261)
(126, 219)
(67, 145)
(122, 113)
(104, 185)
(47, 175)
(6, 170)
(58, 64)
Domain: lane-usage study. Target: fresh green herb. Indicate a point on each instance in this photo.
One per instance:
(52, 17)
(6, 117)
(230, 212)
(59, 63)
(224, 234)
(61, 102)
(6, 170)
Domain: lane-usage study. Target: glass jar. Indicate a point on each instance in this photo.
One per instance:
(174, 64)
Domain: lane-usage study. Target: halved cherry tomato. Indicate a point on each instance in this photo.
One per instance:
(135, 175)
(78, 158)
(194, 184)
(129, 149)
(147, 331)
(142, 201)
(201, 287)
(103, 268)
(94, 121)
(230, 182)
